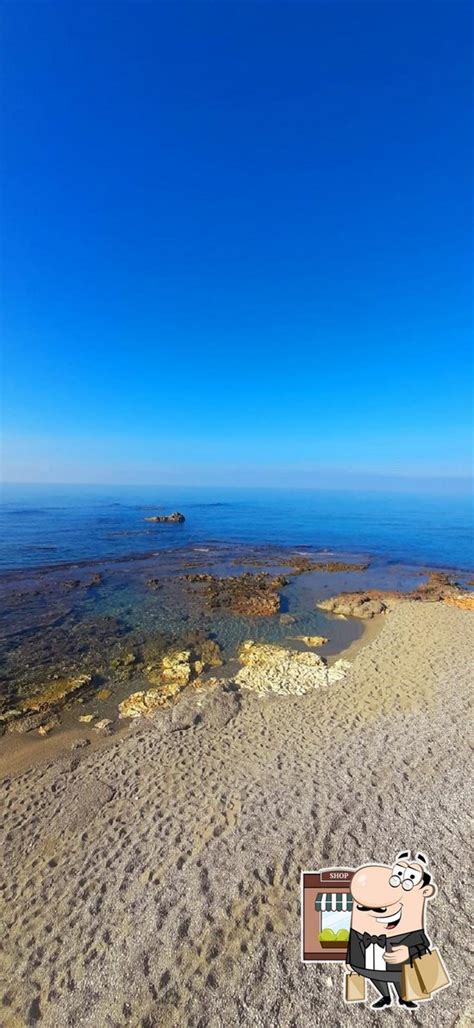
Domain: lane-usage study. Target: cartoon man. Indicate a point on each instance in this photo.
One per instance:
(387, 925)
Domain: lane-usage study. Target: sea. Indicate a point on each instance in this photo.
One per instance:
(45, 525)
(87, 585)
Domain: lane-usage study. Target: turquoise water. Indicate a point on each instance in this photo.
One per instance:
(76, 566)
(55, 524)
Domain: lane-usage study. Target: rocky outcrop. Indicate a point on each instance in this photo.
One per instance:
(358, 605)
(104, 726)
(181, 665)
(464, 602)
(173, 519)
(145, 703)
(176, 670)
(299, 562)
(302, 565)
(176, 667)
(207, 654)
(439, 587)
(29, 722)
(55, 692)
(251, 595)
(269, 668)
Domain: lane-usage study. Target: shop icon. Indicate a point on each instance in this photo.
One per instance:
(326, 906)
(372, 919)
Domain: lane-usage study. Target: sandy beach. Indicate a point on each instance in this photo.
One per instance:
(155, 880)
(236, 519)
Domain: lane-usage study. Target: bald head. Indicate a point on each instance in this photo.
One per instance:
(389, 900)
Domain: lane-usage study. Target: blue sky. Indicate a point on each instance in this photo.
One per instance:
(236, 242)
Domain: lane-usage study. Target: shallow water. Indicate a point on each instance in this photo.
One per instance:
(60, 621)
(85, 617)
(75, 566)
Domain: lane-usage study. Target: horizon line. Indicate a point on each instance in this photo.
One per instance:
(468, 480)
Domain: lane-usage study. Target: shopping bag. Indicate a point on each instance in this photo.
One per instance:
(411, 984)
(355, 988)
(431, 971)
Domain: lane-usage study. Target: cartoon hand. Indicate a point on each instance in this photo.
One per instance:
(348, 969)
(398, 955)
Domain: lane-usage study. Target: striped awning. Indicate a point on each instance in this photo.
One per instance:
(333, 901)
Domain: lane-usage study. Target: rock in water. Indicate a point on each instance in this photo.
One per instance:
(248, 594)
(179, 665)
(56, 691)
(103, 694)
(359, 605)
(80, 744)
(312, 640)
(301, 565)
(269, 668)
(48, 726)
(28, 722)
(175, 518)
(104, 725)
(209, 654)
(176, 667)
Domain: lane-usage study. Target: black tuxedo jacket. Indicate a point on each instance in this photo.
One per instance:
(417, 943)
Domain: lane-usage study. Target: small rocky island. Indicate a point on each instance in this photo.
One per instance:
(175, 518)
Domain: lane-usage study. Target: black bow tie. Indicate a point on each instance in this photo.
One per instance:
(378, 940)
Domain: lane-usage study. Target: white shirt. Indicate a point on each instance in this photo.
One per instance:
(374, 960)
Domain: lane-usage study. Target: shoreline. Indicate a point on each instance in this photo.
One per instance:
(264, 591)
(181, 843)
(19, 753)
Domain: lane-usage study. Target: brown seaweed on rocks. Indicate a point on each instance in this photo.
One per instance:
(301, 564)
(439, 587)
(55, 691)
(248, 594)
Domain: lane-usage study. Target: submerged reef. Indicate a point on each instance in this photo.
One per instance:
(248, 594)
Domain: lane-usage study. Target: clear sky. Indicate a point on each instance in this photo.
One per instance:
(236, 241)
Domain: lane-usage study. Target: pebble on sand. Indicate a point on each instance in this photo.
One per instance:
(48, 726)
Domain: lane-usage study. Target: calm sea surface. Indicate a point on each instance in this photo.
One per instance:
(51, 525)
(86, 583)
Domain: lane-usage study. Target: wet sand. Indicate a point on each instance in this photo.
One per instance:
(154, 880)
